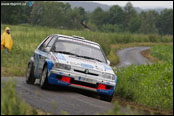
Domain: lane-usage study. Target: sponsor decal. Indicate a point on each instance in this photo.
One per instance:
(107, 68)
(87, 66)
(60, 57)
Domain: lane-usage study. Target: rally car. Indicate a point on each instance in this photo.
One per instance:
(72, 61)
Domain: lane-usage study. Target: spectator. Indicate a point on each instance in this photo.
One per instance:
(6, 40)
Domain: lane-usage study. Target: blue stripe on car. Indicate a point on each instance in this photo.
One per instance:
(50, 64)
(87, 66)
(115, 79)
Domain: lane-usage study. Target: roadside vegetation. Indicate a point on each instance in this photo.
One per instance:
(11, 104)
(149, 85)
(116, 19)
(26, 38)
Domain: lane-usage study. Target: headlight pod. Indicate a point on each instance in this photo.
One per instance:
(109, 76)
(62, 66)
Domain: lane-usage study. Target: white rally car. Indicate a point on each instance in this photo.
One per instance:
(72, 61)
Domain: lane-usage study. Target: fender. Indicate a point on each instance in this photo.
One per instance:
(48, 63)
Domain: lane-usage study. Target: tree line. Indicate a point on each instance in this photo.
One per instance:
(116, 19)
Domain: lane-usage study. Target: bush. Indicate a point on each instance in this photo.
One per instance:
(11, 104)
(26, 38)
(150, 85)
(111, 28)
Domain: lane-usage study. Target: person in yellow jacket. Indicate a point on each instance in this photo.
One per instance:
(6, 40)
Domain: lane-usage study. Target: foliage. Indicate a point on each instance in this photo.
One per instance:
(11, 103)
(61, 15)
(165, 22)
(118, 110)
(27, 37)
(150, 85)
(148, 22)
(163, 52)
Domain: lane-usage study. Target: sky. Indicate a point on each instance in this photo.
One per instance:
(141, 4)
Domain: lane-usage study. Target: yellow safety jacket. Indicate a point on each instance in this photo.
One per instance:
(6, 40)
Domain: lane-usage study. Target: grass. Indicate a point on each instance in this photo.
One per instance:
(150, 85)
(11, 104)
(117, 110)
(162, 52)
(27, 37)
(115, 47)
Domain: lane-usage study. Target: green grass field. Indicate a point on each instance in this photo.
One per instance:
(150, 85)
(11, 103)
(26, 38)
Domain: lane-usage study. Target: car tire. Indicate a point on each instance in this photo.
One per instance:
(44, 78)
(30, 74)
(106, 98)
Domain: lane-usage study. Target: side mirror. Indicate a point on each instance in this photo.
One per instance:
(47, 49)
(108, 62)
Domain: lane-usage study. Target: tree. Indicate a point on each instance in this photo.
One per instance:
(165, 22)
(116, 15)
(134, 24)
(130, 13)
(99, 17)
(75, 18)
(48, 14)
(13, 15)
(148, 22)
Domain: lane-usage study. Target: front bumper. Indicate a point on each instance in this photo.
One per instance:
(65, 78)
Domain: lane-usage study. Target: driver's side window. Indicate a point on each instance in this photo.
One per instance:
(44, 44)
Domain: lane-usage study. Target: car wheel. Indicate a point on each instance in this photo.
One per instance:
(106, 97)
(30, 74)
(44, 78)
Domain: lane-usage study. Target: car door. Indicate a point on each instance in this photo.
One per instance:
(39, 56)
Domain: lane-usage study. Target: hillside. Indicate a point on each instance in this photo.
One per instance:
(90, 6)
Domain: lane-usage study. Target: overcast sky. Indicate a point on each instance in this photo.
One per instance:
(141, 4)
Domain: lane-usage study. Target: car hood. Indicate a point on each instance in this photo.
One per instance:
(83, 63)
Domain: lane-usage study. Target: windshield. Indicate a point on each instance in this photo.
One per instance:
(79, 49)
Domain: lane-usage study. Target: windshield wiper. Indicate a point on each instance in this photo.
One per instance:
(64, 52)
(90, 58)
(69, 53)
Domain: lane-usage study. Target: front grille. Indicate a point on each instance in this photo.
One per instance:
(85, 73)
(72, 81)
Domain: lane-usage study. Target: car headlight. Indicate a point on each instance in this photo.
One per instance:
(109, 76)
(62, 66)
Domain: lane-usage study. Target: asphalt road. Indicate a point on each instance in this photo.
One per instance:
(73, 101)
(129, 56)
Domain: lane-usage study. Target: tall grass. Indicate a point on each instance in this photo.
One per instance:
(150, 85)
(11, 104)
(115, 47)
(27, 37)
(162, 52)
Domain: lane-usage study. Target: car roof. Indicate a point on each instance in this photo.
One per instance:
(77, 38)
